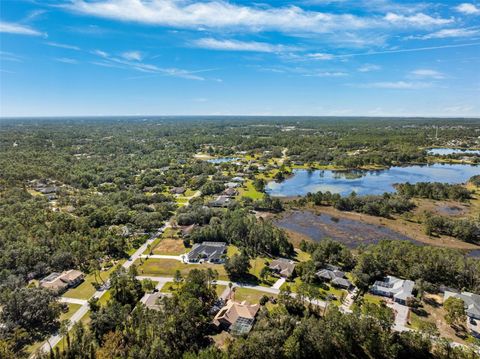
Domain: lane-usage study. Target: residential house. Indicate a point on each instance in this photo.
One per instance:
(472, 309)
(213, 252)
(236, 317)
(221, 201)
(232, 184)
(284, 267)
(60, 282)
(237, 179)
(335, 276)
(177, 190)
(230, 192)
(153, 300)
(398, 289)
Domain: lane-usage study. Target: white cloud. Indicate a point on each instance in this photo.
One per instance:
(327, 74)
(67, 60)
(417, 20)
(468, 9)
(100, 53)
(133, 55)
(320, 56)
(398, 85)
(13, 28)
(63, 46)
(369, 68)
(221, 14)
(449, 33)
(427, 73)
(235, 45)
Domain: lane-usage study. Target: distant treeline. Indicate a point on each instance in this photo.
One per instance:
(380, 206)
(434, 190)
(463, 229)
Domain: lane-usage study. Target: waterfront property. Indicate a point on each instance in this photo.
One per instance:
(236, 317)
(212, 252)
(60, 282)
(283, 267)
(398, 289)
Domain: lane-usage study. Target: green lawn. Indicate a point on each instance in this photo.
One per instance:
(170, 287)
(86, 289)
(250, 191)
(302, 256)
(323, 290)
(370, 298)
(168, 267)
(250, 295)
(72, 308)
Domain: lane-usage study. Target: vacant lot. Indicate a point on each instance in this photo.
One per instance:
(168, 267)
(170, 246)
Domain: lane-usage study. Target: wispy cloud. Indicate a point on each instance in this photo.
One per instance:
(9, 56)
(320, 56)
(468, 9)
(221, 14)
(427, 73)
(18, 29)
(369, 68)
(107, 60)
(63, 46)
(67, 60)
(236, 45)
(449, 33)
(397, 85)
(326, 74)
(133, 56)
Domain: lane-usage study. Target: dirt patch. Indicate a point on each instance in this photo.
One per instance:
(170, 246)
(442, 208)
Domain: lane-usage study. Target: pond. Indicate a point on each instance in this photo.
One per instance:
(368, 182)
(222, 160)
(451, 151)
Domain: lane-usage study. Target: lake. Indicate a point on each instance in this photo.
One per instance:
(222, 160)
(451, 151)
(368, 182)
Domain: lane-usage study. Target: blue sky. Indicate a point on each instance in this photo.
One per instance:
(175, 57)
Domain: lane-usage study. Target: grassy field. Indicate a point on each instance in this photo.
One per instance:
(168, 267)
(250, 191)
(375, 299)
(250, 295)
(86, 289)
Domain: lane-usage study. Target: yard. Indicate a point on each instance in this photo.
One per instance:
(252, 296)
(86, 289)
(250, 191)
(324, 290)
(170, 287)
(168, 267)
(72, 308)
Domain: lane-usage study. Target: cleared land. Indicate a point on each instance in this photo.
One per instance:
(168, 267)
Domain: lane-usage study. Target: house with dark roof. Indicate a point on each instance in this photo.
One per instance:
(230, 192)
(283, 267)
(398, 289)
(472, 309)
(221, 201)
(236, 317)
(335, 276)
(177, 190)
(212, 252)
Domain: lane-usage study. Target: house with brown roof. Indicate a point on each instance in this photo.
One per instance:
(177, 190)
(283, 267)
(60, 282)
(236, 317)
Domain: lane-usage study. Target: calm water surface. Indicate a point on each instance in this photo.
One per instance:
(451, 151)
(368, 182)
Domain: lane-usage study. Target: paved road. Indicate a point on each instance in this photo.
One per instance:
(73, 300)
